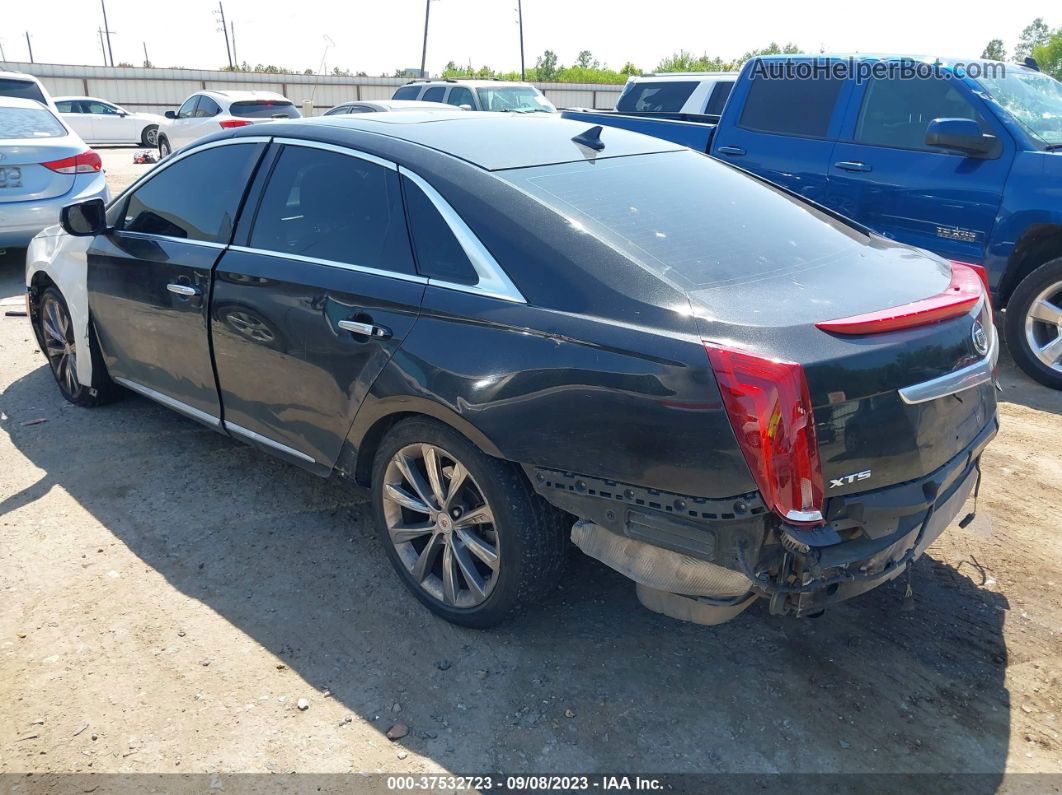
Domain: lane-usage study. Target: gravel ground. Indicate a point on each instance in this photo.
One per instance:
(170, 596)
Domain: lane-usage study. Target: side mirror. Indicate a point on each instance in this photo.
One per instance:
(960, 135)
(85, 219)
(171, 114)
(465, 107)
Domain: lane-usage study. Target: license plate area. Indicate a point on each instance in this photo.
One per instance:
(10, 177)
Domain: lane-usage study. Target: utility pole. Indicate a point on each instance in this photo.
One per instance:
(29, 47)
(103, 47)
(424, 51)
(147, 61)
(2, 56)
(520, 21)
(225, 30)
(107, 31)
(235, 60)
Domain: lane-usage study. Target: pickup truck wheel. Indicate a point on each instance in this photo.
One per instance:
(1034, 324)
(55, 332)
(465, 531)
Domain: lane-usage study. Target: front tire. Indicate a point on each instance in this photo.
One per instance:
(1034, 324)
(465, 531)
(165, 150)
(149, 138)
(55, 333)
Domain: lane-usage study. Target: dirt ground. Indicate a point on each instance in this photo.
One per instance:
(169, 596)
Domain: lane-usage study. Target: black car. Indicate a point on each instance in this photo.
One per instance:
(519, 331)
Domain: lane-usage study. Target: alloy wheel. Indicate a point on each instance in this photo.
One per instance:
(151, 136)
(441, 525)
(1043, 327)
(58, 333)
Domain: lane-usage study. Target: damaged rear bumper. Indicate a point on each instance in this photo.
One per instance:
(667, 545)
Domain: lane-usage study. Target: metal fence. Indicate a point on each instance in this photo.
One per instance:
(158, 90)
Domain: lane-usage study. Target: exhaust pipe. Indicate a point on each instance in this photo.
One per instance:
(668, 582)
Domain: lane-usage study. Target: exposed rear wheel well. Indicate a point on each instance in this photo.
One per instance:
(1039, 244)
(371, 442)
(40, 282)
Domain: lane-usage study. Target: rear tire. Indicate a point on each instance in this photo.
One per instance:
(496, 567)
(1033, 324)
(165, 150)
(55, 333)
(149, 138)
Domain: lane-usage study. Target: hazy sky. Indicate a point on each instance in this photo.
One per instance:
(382, 35)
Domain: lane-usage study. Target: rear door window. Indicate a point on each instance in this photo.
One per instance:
(459, 95)
(439, 255)
(264, 109)
(174, 203)
(897, 112)
(207, 108)
(68, 106)
(656, 96)
(406, 92)
(790, 106)
(434, 94)
(335, 207)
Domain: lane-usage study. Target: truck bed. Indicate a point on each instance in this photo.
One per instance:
(694, 134)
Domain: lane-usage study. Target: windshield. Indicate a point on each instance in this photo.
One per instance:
(1033, 99)
(521, 99)
(691, 220)
(264, 109)
(29, 123)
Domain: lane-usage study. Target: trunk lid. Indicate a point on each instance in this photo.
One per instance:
(23, 178)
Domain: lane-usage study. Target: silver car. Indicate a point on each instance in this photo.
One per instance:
(44, 166)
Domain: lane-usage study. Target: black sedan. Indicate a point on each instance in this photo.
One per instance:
(519, 332)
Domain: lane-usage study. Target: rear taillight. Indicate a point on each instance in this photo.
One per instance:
(770, 410)
(88, 162)
(960, 296)
(982, 272)
(228, 125)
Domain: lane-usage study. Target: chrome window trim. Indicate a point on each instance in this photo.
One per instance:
(976, 374)
(407, 277)
(257, 437)
(169, 238)
(493, 282)
(169, 402)
(342, 150)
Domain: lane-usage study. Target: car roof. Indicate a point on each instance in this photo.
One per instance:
(681, 75)
(495, 141)
(19, 76)
(455, 81)
(80, 96)
(236, 96)
(19, 102)
(401, 104)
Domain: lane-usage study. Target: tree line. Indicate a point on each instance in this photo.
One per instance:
(1036, 40)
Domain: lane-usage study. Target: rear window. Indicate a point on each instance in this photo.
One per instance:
(791, 106)
(692, 221)
(23, 89)
(265, 109)
(656, 97)
(718, 98)
(29, 123)
(407, 92)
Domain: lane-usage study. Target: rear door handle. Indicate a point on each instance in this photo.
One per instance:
(185, 290)
(730, 150)
(852, 165)
(368, 329)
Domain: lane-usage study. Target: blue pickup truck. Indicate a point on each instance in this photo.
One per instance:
(961, 158)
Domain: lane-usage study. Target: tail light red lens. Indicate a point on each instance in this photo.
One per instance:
(770, 410)
(88, 162)
(228, 125)
(958, 298)
(982, 272)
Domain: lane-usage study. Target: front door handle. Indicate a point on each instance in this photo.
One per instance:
(185, 290)
(731, 150)
(853, 165)
(368, 329)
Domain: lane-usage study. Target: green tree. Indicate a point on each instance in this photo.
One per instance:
(546, 66)
(630, 69)
(1036, 34)
(586, 60)
(771, 49)
(994, 51)
(1049, 55)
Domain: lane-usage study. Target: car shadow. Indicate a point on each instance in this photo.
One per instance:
(588, 681)
(1020, 389)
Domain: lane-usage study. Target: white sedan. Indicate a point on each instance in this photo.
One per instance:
(100, 122)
